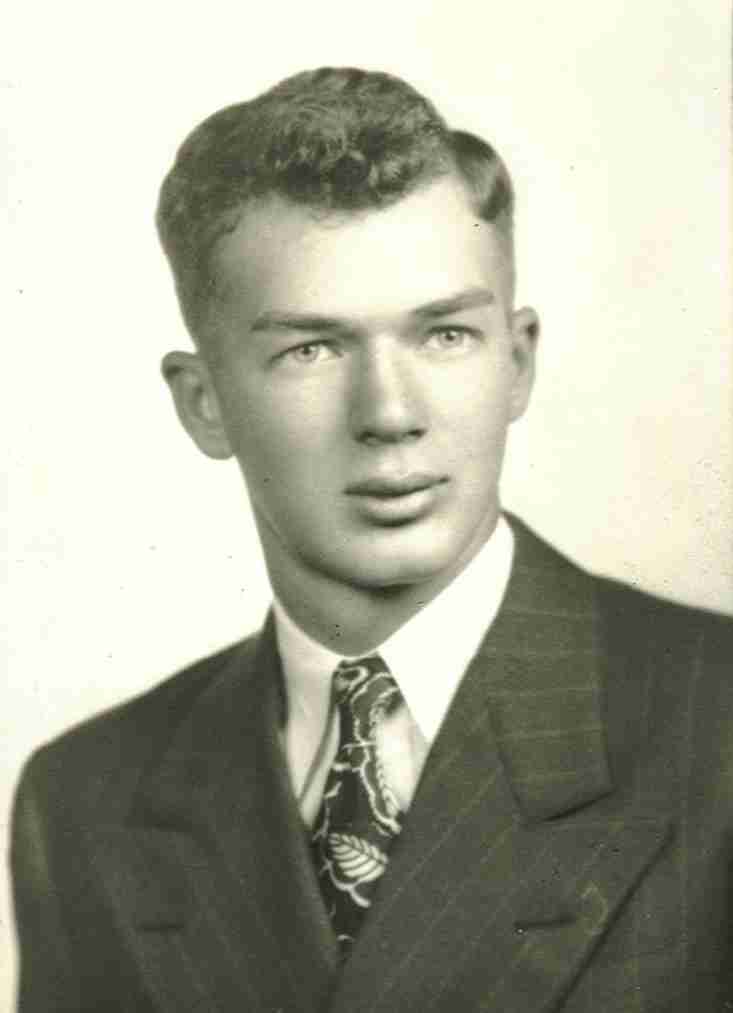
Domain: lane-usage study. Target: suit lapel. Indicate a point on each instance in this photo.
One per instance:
(516, 854)
(218, 895)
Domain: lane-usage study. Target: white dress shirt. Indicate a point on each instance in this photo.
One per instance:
(427, 656)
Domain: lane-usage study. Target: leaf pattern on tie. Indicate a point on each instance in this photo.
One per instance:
(356, 858)
(366, 693)
(359, 816)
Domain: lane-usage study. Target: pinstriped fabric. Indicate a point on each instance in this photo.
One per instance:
(544, 746)
(669, 727)
(568, 849)
(223, 776)
(493, 751)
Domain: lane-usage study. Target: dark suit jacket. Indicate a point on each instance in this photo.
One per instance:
(568, 848)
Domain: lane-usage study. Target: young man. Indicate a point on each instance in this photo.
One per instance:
(453, 772)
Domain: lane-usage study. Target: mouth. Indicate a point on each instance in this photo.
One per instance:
(391, 502)
(392, 488)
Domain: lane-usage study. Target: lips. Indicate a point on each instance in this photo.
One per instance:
(389, 488)
(390, 501)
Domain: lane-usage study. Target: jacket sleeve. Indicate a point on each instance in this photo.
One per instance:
(47, 983)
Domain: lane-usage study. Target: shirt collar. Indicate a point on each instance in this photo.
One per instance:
(428, 655)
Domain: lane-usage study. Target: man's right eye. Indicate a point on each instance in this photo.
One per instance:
(309, 353)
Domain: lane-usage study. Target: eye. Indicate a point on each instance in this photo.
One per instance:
(309, 353)
(447, 339)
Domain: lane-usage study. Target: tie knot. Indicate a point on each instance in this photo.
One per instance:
(365, 689)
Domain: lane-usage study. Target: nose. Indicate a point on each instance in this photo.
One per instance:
(387, 404)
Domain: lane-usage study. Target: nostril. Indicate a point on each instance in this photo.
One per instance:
(377, 437)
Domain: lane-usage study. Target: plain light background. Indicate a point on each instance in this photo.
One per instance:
(129, 554)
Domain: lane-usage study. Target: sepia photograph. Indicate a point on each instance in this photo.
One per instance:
(369, 473)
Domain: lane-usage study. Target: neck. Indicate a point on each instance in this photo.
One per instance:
(353, 620)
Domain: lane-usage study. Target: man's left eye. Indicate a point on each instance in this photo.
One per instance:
(449, 338)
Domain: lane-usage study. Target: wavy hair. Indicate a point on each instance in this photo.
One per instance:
(332, 139)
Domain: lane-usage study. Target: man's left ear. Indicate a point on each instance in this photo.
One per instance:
(525, 330)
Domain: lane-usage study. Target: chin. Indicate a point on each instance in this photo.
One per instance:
(394, 565)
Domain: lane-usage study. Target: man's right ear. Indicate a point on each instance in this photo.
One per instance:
(196, 402)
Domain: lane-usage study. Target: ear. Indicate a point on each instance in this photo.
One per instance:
(525, 331)
(196, 402)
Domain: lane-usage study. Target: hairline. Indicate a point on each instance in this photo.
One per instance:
(229, 221)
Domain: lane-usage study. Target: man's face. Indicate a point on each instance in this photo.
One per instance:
(366, 369)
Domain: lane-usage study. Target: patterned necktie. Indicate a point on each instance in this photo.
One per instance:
(359, 816)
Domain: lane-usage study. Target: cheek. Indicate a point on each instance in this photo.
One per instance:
(475, 411)
(279, 441)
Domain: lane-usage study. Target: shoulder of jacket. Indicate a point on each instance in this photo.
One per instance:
(620, 602)
(620, 595)
(133, 727)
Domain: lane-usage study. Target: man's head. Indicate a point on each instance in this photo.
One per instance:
(344, 262)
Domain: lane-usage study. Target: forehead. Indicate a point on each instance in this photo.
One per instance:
(283, 257)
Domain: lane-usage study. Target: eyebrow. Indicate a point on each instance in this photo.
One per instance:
(467, 300)
(272, 321)
(317, 323)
